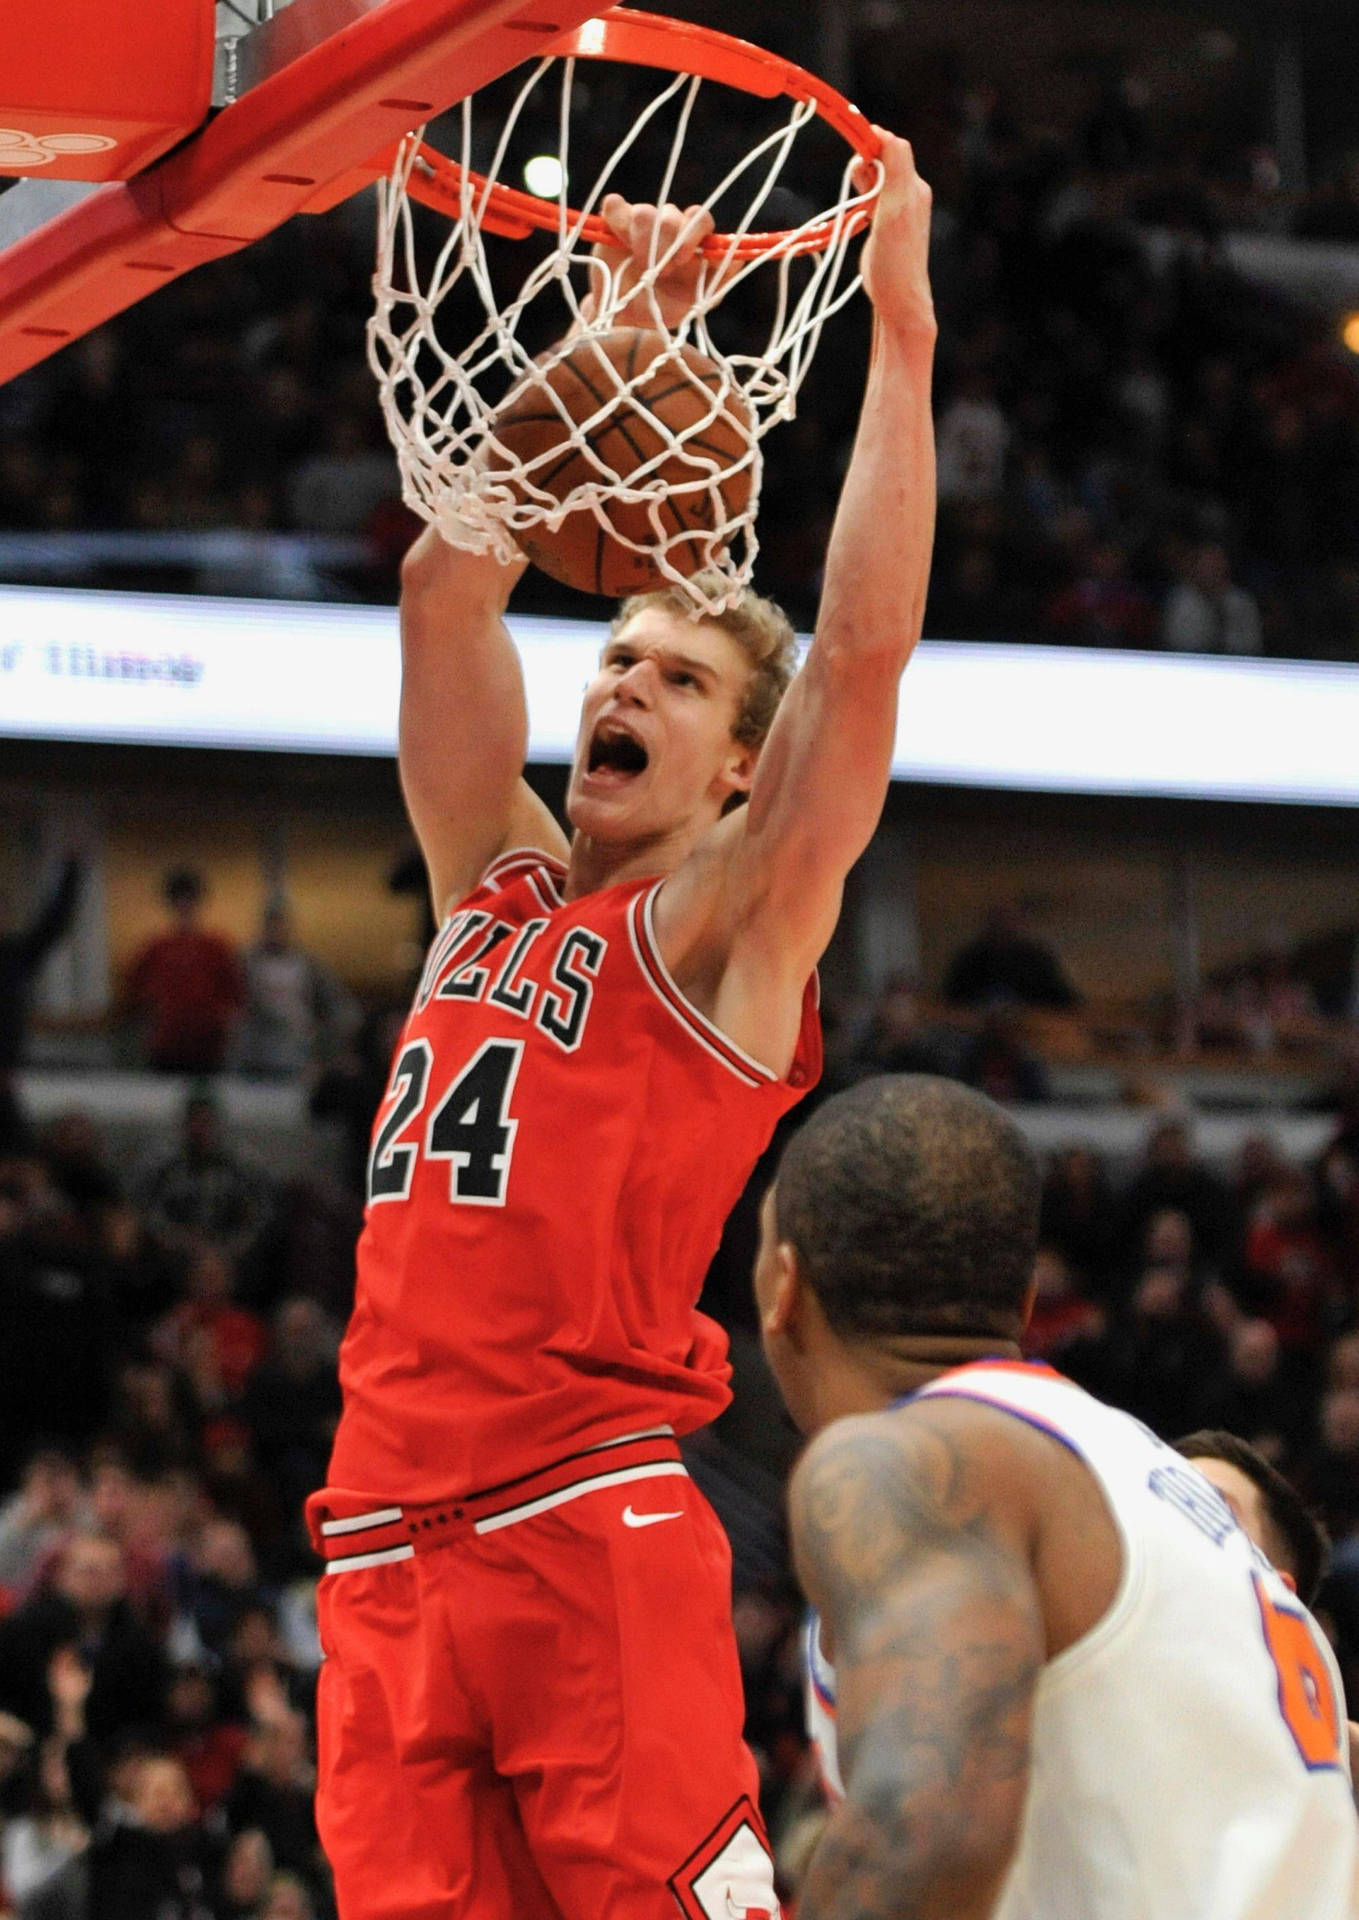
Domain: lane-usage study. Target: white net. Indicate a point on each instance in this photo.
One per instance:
(450, 347)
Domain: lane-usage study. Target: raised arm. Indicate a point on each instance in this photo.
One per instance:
(464, 722)
(932, 1618)
(823, 774)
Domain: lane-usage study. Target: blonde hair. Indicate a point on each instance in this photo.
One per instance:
(760, 629)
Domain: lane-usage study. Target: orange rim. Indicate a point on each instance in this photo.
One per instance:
(676, 46)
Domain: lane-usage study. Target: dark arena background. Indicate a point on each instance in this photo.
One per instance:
(1116, 885)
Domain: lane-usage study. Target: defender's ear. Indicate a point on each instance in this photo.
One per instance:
(1026, 1313)
(779, 1307)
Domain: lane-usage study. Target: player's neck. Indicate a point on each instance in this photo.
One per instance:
(593, 864)
(912, 1361)
(872, 1377)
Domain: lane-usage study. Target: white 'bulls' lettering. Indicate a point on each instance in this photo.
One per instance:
(555, 994)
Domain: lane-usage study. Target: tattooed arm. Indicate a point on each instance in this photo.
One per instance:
(934, 1625)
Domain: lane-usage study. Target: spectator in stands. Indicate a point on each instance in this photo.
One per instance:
(1060, 1316)
(338, 489)
(43, 1841)
(288, 1899)
(219, 1584)
(151, 1420)
(1173, 1177)
(215, 1343)
(1168, 1244)
(37, 1518)
(1207, 612)
(998, 1061)
(203, 1196)
(897, 1038)
(238, 1485)
(1338, 1208)
(1158, 1357)
(292, 1401)
(1007, 962)
(208, 1746)
(969, 597)
(1254, 1396)
(163, 1861)
(196, 493)
(78, 1164)
(1078, 1217)
(275, 1792)
(261, 1672)
(21, 482)
(142, 1511)
(296, 1013)
(1258, 1163)
(1102, 607)
(23, 948)
(1276, 1005)
(187, 985)
(246, 1876)
(1290, 1272)
(973, 439)
(1329, 1473)
(56, 1306)
(16, 1745)
(84, 1608)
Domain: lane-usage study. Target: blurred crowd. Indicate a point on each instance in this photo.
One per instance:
(167, 1369)
(1138, 447)
(169, 1322)
(1006, 1012)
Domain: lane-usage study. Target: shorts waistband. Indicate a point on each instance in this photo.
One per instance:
(350, 1532)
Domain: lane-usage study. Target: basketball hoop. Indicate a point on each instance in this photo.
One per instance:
(440, 396)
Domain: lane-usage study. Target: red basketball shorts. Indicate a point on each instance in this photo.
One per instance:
(530, 1706)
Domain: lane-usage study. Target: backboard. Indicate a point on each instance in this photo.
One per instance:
(314, 100)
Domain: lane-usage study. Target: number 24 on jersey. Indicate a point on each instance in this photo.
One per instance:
(470, 1128)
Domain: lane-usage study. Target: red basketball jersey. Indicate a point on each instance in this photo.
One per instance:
(560, 1143)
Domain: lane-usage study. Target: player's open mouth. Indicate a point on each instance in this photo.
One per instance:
(615, 752)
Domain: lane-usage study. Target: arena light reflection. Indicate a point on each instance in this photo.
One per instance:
(280, 676)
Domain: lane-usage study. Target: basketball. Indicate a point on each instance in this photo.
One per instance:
(672, 392)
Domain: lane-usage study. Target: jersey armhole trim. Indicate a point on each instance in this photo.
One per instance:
(1073, 1659)
(517, 862)
(646, 948)
(641, 931)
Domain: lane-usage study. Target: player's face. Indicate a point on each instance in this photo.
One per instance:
(655, 754)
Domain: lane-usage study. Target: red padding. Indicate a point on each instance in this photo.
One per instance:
(97, 89)
(326, 112)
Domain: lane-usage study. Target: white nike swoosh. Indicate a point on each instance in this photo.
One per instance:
(631, 1519)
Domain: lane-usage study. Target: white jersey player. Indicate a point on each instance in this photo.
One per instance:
(1065, 1684)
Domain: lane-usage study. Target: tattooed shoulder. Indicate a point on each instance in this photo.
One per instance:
(904, 1544)
(872, 1493)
